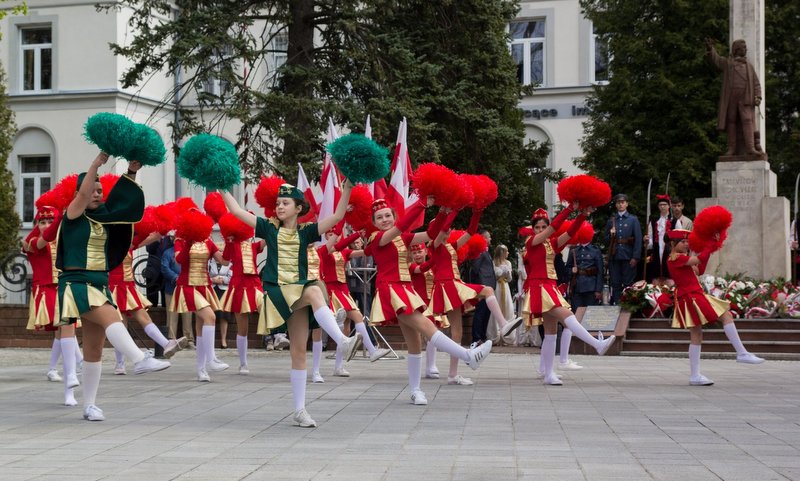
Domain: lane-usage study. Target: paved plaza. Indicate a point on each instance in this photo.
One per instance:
(620, 418)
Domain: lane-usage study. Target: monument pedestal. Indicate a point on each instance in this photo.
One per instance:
(758, 240)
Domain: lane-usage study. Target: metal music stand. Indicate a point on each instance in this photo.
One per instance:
(366, 275)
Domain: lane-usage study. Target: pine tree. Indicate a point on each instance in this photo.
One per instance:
(9, 220)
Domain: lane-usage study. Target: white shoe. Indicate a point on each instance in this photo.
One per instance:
(303, 419)
(69, 400)
(72, 381)
(150, 364)
(52, 375)
(478, 354)
(510, 326)
(432, 375)
(174, 346)
(605, 344)
(418, 398)
(349, 346)
(341, 372)
(570, 365)
(269, 346)
(749, 358)
(700, 380)
(215, 365)
(244, 370)
(540, 375)
(316, 377)
(119, 369)
(93, 413)
(281, 342)
(379, 353)
(202, 376)
(553, 380)
(460, 380)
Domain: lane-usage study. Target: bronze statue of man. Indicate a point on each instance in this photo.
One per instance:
(741, 93)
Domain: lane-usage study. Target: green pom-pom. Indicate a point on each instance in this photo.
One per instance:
(113, 133)
(210, 161)
(359, 159)
(149, 148)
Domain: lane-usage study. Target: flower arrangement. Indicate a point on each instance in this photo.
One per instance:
(647, 299)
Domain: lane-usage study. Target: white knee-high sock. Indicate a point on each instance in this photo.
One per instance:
(119, 358)
(694, 359)
(298, 379)
(208, 341)
(573, 325)
(338, 359)
(733, 336)
(361, 328)
(316, 355)
(445, 344)
(430, 357)
(200, 352)
(154, 333)
(118, 336)
(548, 354)
(78, 353)
(91, 381)
(414, 371)
(241, 347)
(55, 353)
(68, 348)
(494, 308)
(566, 339)
(327, 321)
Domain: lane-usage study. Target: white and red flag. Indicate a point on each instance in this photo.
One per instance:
(331, 188)
(397, 194)
(305, 187)
(377, 188)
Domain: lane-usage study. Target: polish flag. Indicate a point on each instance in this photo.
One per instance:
(397, 192)
(305, 187)
(377, 188)
(331, 189)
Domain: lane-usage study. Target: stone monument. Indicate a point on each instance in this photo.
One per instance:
(743, 181)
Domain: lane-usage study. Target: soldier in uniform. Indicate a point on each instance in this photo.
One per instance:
(585, 264)
(624, 237)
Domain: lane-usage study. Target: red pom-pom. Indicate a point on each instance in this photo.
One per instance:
(475, 246)
(564, 228)
(585, 189)
(182, 204)
(585, 234)
(149, 222)
(165, 217)
(710, 223)
(64, 191)
(460, 193)
(49, 198)
(193, 225)
(359, 212)
(215, 206)
(525, 231)
(433, 179)
(108, 181)
(484, 191)
(231, 226)
(267, 193)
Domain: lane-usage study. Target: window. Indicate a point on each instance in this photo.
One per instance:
(34, 181)
(599, 57)
(216, 85)
(280, 48)
(36, 58)
(527, 48)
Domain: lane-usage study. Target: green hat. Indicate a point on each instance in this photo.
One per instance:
(288, 190)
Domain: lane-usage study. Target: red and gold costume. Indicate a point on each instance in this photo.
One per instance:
(449, 291)
(693, 307)
(193, 289)
(44, 284)
(541, 292)
(423, 284)
(332, 271)
(123, 287)
(244, 293)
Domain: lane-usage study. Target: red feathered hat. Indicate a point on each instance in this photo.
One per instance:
(663, 198)
(678, 234)
(539, 214)
(194, 226)
(231, 226)
(379, 204)
(45, 212)
(421, 247)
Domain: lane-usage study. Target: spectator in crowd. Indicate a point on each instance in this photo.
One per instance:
(482, 272)
(154, 289)
(170, 270)
(681, 221)
(624, 237)
(220, 278)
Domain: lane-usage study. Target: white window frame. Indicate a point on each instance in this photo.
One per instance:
(37, 185)
(526, 50)
(214, 85)
(592, 66)
(279, 58)
(37, 59)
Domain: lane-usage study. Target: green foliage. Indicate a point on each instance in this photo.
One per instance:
(444, 65)
(658, 113)
(9, 220)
